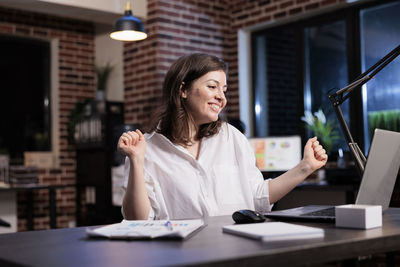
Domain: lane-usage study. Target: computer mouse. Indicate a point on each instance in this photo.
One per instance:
(247, 216)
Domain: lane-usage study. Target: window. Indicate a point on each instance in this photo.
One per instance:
(325, 68)
(380, 34)
(275, 97)
(327, 52)
(25, 96)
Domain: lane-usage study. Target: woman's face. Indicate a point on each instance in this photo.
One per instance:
(206, 97)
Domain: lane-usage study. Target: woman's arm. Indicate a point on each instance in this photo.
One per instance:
(314, 158)
(136, 203)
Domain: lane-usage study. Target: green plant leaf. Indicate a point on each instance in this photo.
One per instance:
(103, 73)
(324, 130)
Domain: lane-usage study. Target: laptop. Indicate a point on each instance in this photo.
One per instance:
(376, 186)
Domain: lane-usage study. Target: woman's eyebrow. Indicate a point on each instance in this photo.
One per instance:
(212, 80)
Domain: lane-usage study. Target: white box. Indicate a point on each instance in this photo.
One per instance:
(358, 216)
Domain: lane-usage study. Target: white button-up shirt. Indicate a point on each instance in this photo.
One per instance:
(223, 179)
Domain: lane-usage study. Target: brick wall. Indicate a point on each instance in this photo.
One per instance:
(76, 82)
(185, 26)
(283, 96)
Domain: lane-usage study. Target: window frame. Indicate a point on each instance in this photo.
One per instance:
(50, 158)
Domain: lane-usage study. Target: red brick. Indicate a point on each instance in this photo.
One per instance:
(22, 30)
(312, 6)
(295, 10)
(163, 4)
(270, 9)
(328, 2)
(280, 15)
(6, 28)
(286, 4)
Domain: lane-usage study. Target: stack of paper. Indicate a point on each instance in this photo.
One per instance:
(274, 231)
(145, 229)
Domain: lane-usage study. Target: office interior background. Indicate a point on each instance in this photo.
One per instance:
(284, 56)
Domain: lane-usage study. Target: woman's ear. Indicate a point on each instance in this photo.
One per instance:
(182, 91)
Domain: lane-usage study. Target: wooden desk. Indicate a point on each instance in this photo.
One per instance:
(209, 247)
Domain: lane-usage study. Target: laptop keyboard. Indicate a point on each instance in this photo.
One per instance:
(329, 212)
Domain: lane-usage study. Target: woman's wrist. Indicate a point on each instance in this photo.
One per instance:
(305, 167)
(136, 160)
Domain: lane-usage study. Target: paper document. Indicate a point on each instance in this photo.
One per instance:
(145, 229)
(274, 231)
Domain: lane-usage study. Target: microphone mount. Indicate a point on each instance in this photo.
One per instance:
(343, 94)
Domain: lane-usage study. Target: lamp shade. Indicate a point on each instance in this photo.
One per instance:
(128, 28)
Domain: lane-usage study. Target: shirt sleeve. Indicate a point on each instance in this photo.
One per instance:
(149, 187)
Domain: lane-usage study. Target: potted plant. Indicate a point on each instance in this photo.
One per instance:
(76, 116)
(322, 128)
(103, 74)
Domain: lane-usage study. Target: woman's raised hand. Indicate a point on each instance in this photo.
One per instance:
(132, 144)
(314, 154)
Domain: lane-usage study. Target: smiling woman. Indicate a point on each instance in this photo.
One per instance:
(193, 165)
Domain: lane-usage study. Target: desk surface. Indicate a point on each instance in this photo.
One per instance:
(70, 247)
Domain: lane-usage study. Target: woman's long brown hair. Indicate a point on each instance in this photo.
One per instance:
(172, 118)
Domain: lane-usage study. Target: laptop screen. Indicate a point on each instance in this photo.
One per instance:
(381, 169)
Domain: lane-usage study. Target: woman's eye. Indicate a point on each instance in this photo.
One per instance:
(212, 86)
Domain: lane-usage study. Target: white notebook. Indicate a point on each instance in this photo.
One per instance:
(147, 229)
(274, 231)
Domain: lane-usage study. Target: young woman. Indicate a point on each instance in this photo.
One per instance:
(193, 165)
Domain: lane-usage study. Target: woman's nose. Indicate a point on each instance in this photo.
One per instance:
(221, 94)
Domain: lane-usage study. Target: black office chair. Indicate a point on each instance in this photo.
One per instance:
(4, 223)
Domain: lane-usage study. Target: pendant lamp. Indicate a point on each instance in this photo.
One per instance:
(128, 28)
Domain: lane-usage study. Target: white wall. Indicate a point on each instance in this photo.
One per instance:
(8, 211)
(245, 81)
(113, 6)
(110, 51)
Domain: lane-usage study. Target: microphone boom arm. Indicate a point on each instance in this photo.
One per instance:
(357, 153)
(343, 94)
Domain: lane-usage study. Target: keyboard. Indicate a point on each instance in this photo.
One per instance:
(329, 212)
